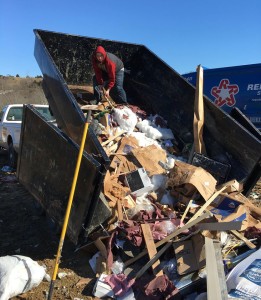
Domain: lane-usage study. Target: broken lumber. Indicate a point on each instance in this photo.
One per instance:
(207, 203)
(152, 251)
(241, 237)
(113, 137)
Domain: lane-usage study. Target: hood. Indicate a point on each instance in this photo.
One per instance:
(101, 50)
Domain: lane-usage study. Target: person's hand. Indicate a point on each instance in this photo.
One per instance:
(107, 93)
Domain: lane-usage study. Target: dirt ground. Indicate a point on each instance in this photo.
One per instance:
(25, 230)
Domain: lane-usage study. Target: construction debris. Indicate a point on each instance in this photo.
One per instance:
(165, 210)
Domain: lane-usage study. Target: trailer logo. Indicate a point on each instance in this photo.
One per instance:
(225, 93)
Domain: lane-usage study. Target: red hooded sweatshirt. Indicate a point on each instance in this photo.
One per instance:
(111, 65)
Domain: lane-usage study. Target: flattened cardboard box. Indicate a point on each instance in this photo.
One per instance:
(183, 176)
(190, 254)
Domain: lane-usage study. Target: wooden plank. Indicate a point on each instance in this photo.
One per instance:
(169, 237)
(186, 211)
(119, 209)
(207, 203)
(216, 283)
(153, 260)
(241, 237)
(151, 247)
(91, 107)
(113, 137)
(220, 226)
(199, 114)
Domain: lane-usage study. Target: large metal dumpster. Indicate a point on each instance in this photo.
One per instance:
(151, 84)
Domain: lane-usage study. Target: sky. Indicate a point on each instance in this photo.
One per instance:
(183, 33)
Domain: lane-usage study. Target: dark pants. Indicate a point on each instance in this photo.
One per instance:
(117, 91)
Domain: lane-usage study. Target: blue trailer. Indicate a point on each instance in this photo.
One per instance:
(231, 87)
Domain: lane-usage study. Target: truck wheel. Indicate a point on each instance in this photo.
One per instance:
(12, 156)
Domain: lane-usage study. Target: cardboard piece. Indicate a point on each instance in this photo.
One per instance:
(232, 186)
(186, 179)
(126, 145)
(227, 209)
(149, 158)
(190, 254)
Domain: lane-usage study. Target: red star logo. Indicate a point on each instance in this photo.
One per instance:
(225, 93)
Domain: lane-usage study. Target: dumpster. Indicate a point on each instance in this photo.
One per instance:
(65, 61)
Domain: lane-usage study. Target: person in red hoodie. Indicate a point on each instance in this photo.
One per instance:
(109, 73)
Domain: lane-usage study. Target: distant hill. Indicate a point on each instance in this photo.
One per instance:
(16, 90)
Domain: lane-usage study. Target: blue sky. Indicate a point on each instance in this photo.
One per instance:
(183, 33)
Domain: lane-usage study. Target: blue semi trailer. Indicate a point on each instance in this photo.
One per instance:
(231, 87)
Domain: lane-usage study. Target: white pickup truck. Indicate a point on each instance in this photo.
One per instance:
(10, 127)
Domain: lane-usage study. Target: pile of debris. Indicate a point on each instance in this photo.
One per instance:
(173, 224)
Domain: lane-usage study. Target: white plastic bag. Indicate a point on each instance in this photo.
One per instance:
(126, 118)
(18, 274)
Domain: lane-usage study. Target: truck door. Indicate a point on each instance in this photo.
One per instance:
(14, 117)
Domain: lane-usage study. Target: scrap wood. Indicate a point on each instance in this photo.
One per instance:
(232, 186)
(113, 137)
(220, 226)
(151, 247)
(119, 209)
(112, 148)
(126, 145)
(91, 107)
(199, 114)
(169, 237)
(207, 203)
(153, 260)
(109, 99)
(118, 168)
(241, 237)
(216, 282)
(113, 190)
(128, 202)
(186, 211)
(101, 262)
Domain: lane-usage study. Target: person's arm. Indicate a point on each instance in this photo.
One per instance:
(111, 70)
(98, 73)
